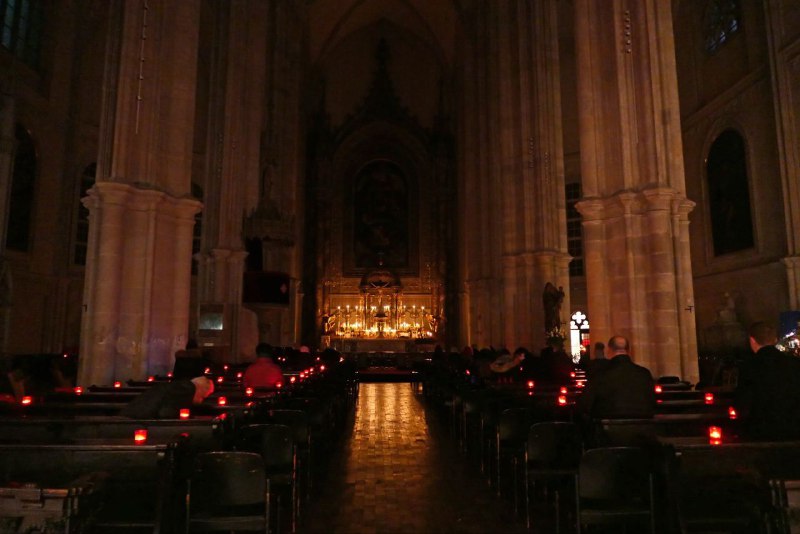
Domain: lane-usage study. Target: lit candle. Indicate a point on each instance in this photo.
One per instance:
(140, 436)
(184, 413)
(715, 435)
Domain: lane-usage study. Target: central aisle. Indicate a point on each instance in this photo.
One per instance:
(399, 472)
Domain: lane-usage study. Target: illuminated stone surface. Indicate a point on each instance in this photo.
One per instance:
(398, 471)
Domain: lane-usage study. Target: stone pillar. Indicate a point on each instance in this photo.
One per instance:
(514, 233)
(136, 291)
(232, 167)
(784, 56)
(7, 151)
(136, 296)
(529, 146)
(635, 208)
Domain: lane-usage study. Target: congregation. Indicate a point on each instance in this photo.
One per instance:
(515, 418)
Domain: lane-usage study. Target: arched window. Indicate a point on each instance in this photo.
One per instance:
(197, 231)
(722, 20)
(729, 194)
(574, 230)
(82, 223)
(22, 29)
(22, 190)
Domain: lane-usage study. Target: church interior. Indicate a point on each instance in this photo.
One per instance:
(303, 190)
(395, 175)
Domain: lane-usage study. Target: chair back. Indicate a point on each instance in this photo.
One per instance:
(297, 420)
(615, 474)
(231, 478)
(513, 424)
(273, 442)
(554, 445)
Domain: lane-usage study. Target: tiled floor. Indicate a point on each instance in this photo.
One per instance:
(398, 471)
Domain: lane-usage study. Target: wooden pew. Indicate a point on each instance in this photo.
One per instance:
(112, 486)
(729, 486)
(198, 434)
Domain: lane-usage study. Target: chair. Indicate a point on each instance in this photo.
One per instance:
(785, 503)
(615, 485)
(298, 421)
(276, 446)
(510, 436)
(227, 491)
(552, 454)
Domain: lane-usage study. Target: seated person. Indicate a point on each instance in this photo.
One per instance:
(506, 362)
(263, 373)
(623, 390)
(555, 365)
(768, 391)
(165, 401)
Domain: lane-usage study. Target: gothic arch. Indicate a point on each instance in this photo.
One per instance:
(728, 190)
(382, 142)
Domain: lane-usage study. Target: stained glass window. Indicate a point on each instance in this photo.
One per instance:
(722, 21)
(22, 29)
(729, 194)
(22, 192)
(82, 222)
(574, 230)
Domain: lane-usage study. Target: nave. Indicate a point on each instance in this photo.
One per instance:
(398, 470)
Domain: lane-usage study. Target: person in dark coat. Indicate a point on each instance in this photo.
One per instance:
(623, 390)
(598, 362)
(165, 401)
(768, 390)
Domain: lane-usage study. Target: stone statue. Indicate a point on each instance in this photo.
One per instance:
(552, 299)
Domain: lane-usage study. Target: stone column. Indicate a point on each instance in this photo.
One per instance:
(7, 151)
(138, 270)
(514, 235)
(635, 208)
(529, 146)
(784, 56)
(232, 166)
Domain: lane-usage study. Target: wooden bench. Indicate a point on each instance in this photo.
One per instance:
(731, 485)
(115, 486)
(199, 434)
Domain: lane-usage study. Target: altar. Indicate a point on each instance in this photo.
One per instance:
(381, 317)
(372, 345)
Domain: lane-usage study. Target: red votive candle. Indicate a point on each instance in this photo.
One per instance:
(715, 435)
(140, 436)
(184, 413)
